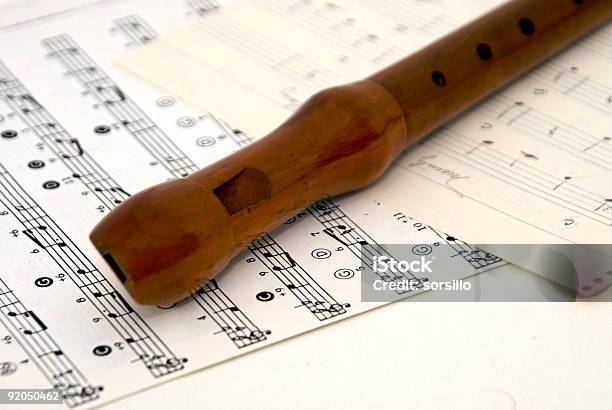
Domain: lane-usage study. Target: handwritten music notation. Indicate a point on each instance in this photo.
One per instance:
(268, 52)
(415, 15)
(557, 189)
(36, 340)
(596, 150)
(45, 234)
(326, 20)
(571, 82)
(301, 75)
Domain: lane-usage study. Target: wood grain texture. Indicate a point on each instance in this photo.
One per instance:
(165, 241)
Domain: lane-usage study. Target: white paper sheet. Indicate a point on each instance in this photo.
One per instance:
(77, 138)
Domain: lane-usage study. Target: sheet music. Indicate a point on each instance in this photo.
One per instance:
(532, 164)
(77, 138)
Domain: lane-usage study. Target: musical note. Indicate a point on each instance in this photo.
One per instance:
(86, 69)
(69, 50)
(524, 155)
(605, 206)
(328, 7)
(203, 7)
(513, 106)
(482, 143)
(339, 233)
(595, 144)
(40, 326)
(112, 189)
(74, 142)
(565, 180)
(312, 73)
(212, 284)
(123, 303)
(560, 75)
(368, 38)
(135, 30)
(325, 209)
(116, 93)
(280, 261)
(30, 234)
(26, 102)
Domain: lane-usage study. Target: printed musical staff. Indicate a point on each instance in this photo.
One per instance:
(203, 7)
(239, 137)
(123, 109)
(57, 139)
(476, 257)
(301, 284)
(49, 242)
(42, 230)
(158, 144)
(25, 102)
(295, 278)
(37, 342)
(343, 229)
(135, 30)
(230, 319)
